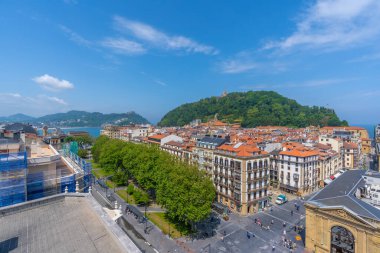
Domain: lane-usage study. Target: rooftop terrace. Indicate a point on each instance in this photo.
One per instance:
(63, 223)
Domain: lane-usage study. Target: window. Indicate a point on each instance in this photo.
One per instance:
(342, 240)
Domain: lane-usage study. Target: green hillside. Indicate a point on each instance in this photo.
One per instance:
(93, 119)
(251, 109)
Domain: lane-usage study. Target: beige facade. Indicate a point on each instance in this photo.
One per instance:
(320, 222)
(241, 181)
(112, 132)
(328, 165)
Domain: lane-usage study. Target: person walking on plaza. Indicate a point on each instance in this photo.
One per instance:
(291, 212)
(284, 224)
(272, 222)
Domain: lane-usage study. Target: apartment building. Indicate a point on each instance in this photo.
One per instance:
(112, 132)
(329, 164)
(175, 148)
(366, 145)
(204, 150)
(350, 155)
(335, 143)
(298, 170)
(131, 133)
(241, 177)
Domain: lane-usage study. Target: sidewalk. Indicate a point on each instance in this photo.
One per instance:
(154, 240)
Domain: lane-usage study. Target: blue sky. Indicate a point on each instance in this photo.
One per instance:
(151, 56)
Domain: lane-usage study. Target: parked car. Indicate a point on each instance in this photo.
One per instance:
(281, 199)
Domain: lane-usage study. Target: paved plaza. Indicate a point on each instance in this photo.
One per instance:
(242, 234)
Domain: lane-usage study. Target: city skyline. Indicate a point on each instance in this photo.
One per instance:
(150, 58)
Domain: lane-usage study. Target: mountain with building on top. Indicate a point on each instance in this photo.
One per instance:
(79, 119)
(252, 109)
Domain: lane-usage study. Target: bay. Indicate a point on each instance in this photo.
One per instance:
(93, 131)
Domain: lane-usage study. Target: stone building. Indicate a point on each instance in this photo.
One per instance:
(339, 219)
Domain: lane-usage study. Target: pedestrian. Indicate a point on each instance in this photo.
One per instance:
(271, 209)
(273, 248)
(291, 212)
(298, 207)
(224, 233)
(284, 232)
(261, 225)
(284, 224)
(272, 222)
(248, 235)
(222, 238)
(255, 220)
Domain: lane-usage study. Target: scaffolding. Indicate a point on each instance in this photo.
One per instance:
(18, 183)
(13, 172)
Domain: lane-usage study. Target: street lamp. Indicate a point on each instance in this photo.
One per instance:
(146, 220)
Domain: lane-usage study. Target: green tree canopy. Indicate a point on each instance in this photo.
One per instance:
(253, 108)
(184, 191)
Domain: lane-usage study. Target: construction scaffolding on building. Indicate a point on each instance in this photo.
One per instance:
(23, 178)
(13, 172)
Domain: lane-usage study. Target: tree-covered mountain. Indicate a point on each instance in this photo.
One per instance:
(19, 117)
(94, 119)
(251, 109)
(82, 119)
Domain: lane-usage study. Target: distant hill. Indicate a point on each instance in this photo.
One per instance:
(19, 117)
(81, 119)
(251, 109)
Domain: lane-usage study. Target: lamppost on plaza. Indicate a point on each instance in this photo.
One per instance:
(146, 219)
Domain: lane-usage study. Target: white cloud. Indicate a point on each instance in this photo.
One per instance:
(335, 24)
(57, 100)
(236, 66)
(11, 103)
(73, 36)
(240, 63)
(160, 82)
(53, 83)
(159, 39)
(123, 46)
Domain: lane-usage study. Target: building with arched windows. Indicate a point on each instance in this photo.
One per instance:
(339, 218)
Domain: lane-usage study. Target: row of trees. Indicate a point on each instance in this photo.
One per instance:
(251, 109)
(184, 191)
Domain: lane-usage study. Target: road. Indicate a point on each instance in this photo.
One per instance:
(234, 231)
